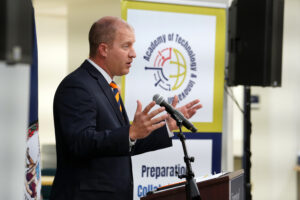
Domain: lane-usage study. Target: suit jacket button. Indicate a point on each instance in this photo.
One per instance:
(131, 182)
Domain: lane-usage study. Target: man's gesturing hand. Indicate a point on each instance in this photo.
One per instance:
(187, 110)
(144, 122)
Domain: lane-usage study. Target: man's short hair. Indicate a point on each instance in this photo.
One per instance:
(103, 31)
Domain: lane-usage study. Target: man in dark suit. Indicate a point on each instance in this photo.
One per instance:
(94, 139)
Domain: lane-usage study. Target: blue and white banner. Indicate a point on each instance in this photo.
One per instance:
(170, 62)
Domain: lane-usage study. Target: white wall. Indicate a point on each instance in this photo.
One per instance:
(51, 27)
(81, 16)
(276, 126)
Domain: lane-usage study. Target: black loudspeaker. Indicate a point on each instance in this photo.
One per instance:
(255, 42)
(16, 32)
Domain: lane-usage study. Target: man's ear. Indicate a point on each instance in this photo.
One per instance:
(103, 49)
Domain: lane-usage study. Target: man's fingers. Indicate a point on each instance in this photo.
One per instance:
(191, 104)
(175, 101)
(156, 112)
(158, 119)
(193, 110)
(148, 107)
(196, 107)
(139, 106)
(159, 125)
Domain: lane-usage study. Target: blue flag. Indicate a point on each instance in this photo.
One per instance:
(32, 165)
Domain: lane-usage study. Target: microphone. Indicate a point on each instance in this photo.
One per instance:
(177, 115)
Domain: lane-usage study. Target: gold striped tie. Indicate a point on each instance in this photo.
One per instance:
(116, 93)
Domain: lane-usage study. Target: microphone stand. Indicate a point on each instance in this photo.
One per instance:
(191, 189)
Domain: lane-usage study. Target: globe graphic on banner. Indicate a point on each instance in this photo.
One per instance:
(173, 69)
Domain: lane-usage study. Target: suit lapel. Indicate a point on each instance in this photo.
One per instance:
(124, 112)
(106, 90)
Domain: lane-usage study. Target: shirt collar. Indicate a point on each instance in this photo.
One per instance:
(105, 75)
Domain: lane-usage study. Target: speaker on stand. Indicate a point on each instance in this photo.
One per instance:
(255, 57)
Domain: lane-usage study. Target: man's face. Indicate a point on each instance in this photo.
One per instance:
(121, 53)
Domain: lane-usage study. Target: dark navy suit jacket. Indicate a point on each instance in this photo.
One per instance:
(92, 140)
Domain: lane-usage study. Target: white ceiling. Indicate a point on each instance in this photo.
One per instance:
(59, 8)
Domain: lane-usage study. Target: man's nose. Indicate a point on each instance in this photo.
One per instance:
(132, 53)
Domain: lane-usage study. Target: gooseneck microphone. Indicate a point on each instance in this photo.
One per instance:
(175, 114)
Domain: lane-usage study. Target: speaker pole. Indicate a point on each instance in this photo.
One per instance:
(247, 138)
